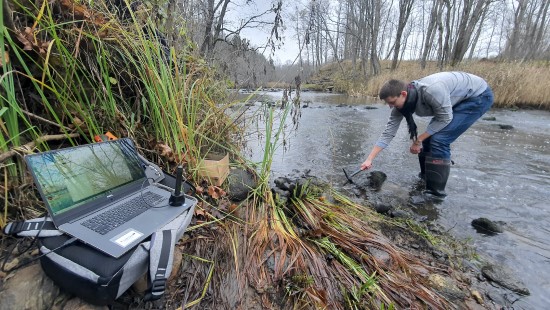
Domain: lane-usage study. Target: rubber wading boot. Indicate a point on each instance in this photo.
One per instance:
(437, 173)
(422, 161)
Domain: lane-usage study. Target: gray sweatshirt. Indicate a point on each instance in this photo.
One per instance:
(437, 94)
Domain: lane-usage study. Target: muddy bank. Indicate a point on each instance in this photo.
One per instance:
(214, 270)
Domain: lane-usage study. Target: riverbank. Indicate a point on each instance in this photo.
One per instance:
(213, 266)
(217, 252)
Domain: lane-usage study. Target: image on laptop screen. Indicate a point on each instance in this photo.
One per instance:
(71, 177)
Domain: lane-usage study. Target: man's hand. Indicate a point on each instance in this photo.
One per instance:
(416, 147)
(367, 164)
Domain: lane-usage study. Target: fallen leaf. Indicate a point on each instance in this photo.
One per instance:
(477, 296)
(223, 206)
(217, 214)
(216, 192)
(77, 121)
(23, 38)
(199, 190)
(11, 264)
(164, 150)
(200, 212)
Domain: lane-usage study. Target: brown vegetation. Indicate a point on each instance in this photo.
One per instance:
(515, 84)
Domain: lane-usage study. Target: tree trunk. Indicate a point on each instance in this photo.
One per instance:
(477, 35)
(435, 20)
(405, 8)
(445, 49)
(207, 41)
(471, 15)
(513, 41)
(374, 32)
(536, 34)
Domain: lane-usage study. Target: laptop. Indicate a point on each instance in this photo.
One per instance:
(100, 194)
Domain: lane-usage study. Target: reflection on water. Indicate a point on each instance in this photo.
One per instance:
(502, 175)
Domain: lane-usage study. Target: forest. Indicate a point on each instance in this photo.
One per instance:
(365, 32)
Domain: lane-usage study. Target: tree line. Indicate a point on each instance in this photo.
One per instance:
(438, 30)
(362, 31)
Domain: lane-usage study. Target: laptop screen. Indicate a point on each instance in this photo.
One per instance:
(71, 177)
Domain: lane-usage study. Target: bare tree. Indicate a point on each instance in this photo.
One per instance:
(445, 31)
(537, 22)
(434, 22)
(373, 18)
(445, 34)
(405, 8)
(472, 12)
(216, 30)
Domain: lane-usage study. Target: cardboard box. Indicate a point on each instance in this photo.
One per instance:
(214, 168)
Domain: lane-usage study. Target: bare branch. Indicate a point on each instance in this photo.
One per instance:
(31, 145)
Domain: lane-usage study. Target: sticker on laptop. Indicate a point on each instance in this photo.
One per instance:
(127, 237)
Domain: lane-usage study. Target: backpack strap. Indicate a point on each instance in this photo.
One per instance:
(38, 227)
(161, 257)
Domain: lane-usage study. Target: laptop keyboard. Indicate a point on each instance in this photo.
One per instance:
(107, 221)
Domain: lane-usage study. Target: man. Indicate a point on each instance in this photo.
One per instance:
(455, 100)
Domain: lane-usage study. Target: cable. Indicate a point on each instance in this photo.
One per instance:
(144, 200)
(10, 252)
(66, 243)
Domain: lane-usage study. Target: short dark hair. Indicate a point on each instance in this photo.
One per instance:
(392, 88)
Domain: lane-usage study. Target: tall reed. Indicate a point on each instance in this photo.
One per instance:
(88, 75)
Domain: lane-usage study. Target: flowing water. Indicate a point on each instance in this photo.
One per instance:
(499, 174)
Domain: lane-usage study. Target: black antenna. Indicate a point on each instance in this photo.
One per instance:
(177, 199)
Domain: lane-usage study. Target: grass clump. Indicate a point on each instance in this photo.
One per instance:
(331, 244)
(86, 72)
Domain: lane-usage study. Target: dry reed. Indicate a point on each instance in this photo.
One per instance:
(515, 84)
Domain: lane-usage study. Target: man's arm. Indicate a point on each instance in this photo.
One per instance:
(367, 164)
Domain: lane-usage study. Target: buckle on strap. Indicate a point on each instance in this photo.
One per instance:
(157, 289)
(14, 228)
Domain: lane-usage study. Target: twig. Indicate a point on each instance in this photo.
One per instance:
(29, 114)
(29, 146)
(448, 230)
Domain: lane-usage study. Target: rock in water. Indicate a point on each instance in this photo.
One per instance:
(446, 286)
(505, 127)
(505, 278)
(382, 208)
(486, 226)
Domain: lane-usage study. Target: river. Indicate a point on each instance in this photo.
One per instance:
(499, 174)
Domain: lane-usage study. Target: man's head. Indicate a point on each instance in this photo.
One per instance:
(394, 93)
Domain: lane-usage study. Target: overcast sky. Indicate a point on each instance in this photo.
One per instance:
(258, 37)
